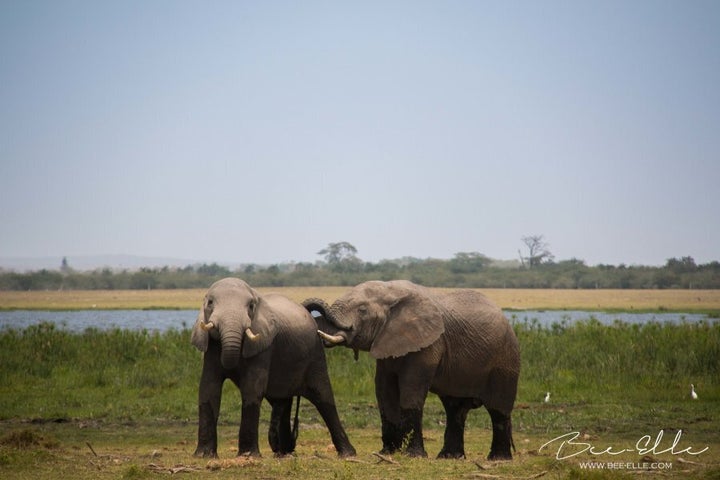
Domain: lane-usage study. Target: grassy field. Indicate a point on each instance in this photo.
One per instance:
(122, 404)
(520, 299)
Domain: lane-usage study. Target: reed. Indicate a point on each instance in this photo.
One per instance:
(104, 373)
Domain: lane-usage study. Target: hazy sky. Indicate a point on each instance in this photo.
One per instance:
(262, 131)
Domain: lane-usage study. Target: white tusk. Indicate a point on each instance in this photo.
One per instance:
(331, 339)
(251, 336)
(207, 326)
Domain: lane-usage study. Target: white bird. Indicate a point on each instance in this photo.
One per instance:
(547, 397)
(693, 395)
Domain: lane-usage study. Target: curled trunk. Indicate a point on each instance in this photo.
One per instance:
(328, 314)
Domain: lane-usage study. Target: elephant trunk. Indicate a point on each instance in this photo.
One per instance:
(327, 322)
(327, 312)
(231, 347)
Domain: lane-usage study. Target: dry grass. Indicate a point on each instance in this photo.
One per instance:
(519, 299)
(674, 300)
(99, 453)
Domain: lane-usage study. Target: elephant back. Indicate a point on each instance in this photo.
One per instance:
(295, 324)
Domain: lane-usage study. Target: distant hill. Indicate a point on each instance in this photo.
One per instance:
(93, 262)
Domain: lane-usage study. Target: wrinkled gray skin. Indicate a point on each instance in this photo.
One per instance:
(455, 344)
(267, 346)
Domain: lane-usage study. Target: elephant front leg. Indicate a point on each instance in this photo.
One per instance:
(411, 427)
(248, 437)
(207, 431)
(209, 396)
(456, 410)
(392, 434)
(388, 398)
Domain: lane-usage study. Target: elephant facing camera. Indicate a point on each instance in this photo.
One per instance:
(268, 346)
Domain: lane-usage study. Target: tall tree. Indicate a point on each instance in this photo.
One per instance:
(341, 256)
(538, 251)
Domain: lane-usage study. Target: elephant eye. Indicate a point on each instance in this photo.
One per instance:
(251, 307)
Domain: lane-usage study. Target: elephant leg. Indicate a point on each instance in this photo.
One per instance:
(414, 380)
(209, 396)
(207, 430)
(411, 427)
(280, 436)
(321, 397)
(502, 436)
(252, 384)
(248, 437)
(456, 410)
(387, 393)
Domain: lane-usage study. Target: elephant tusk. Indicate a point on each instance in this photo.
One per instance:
(251, 336)
(207, 326)
(331, 339)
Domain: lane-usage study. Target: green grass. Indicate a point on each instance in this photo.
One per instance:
(132, 397)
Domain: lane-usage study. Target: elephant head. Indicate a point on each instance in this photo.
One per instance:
(236, 315)
(388, 319)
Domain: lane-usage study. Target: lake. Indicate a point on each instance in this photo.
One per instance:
(163, 320)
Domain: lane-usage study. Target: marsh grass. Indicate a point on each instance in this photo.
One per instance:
(132, 396)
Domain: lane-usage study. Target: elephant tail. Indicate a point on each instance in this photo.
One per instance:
(296, 422)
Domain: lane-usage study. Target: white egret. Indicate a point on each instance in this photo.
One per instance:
(693, 395)
(547, 397)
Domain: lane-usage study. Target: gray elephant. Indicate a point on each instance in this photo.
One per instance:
(456, 344)
(268, 347)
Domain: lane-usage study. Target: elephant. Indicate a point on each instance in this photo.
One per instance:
(456, 344)
(268, 346)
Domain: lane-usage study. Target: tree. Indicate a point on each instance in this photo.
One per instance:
(468, 262)
(683, 265)
(537, 251)
(341, 256)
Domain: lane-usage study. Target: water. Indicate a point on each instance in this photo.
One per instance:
(547, 317)
(163, 320)
(79, 321)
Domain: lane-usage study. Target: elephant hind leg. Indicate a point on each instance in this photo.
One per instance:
(280, 437)
(325, 405)
(456, 410)
(502, 436)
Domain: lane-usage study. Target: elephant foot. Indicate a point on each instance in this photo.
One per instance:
(203, 452)
(417, 452)
(283, 454)
(388, 450)
(502, 439)
(500, 455)
(453, 455)
(346, 452)
(249, 453)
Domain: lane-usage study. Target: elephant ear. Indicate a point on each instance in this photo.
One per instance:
(264, 325)
(413, 323)
(200, 337)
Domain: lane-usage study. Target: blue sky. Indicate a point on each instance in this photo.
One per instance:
(262, 131)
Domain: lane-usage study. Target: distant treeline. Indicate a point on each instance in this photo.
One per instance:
(464, 270)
